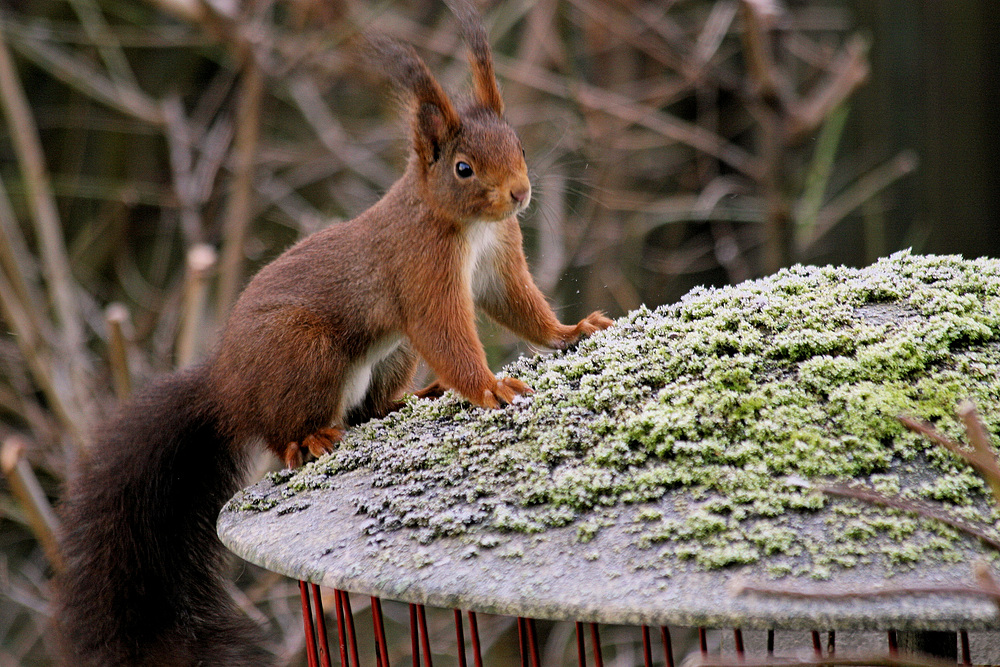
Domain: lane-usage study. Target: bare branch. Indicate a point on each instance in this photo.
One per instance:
(38, 358)
(759, 20)
(73, 72)
(981, 457)
(27, 144)
(848, 72)
(104, 39)
(306, 95)
(178, 135)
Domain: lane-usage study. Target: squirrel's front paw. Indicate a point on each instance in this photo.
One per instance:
(591, 324)
(503, 392)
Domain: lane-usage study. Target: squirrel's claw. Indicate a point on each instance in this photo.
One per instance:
(504, 392)
(324, 440)
(292, 456)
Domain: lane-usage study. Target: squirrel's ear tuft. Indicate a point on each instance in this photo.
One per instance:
(413, 81)
(431, 129)
(484, 81)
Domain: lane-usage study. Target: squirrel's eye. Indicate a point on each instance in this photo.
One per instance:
(463, 169)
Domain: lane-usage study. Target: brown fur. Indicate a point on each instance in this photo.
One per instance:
(325, 336)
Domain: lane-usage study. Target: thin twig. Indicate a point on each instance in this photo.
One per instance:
(238, 216)
(200, 261)
(104, 39)
(981, 457)
(179, 142)
(982, 463)
(15, 259)
(37, 356)
(859, 192)
(974, 429)
(847, 73)
(717, 26)
(894, 502)
(214, 145)
(25, 487)
(868, 593)
(116, 316)
(367, 164)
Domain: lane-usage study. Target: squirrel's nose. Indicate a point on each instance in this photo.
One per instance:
(520, 193)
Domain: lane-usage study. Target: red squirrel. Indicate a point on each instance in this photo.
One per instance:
(325, 336)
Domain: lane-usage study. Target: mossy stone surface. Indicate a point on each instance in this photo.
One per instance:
(675, 452)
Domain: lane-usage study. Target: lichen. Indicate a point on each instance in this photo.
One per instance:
(742, 396)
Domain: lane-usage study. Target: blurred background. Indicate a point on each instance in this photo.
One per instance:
(154, 154)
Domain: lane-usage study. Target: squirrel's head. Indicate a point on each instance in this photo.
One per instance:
(470, 163)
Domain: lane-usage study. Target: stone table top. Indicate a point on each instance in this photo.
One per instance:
(665, 462)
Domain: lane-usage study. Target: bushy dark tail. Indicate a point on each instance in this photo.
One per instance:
(143, 582)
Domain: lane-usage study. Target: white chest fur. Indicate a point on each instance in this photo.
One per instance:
(482, 241)
(358, 377)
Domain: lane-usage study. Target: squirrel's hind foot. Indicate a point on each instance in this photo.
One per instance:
(319, 443)
(435, 389)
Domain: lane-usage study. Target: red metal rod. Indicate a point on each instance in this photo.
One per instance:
(703, 640)
(738, 642)
(377, 620)
(460, 638)
(414, 637)
(893, 645)
(668, 649)
(581, 646)
(477, 655)
(647, 649)
(595, 636)
(817, 644)
(352, 639)
(338, 604)
(522, 642)
(966, 653)
(322, 641)
(533, 642)
(307, 623)
(424, 638)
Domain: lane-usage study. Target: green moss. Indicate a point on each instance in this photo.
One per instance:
(740, 396)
